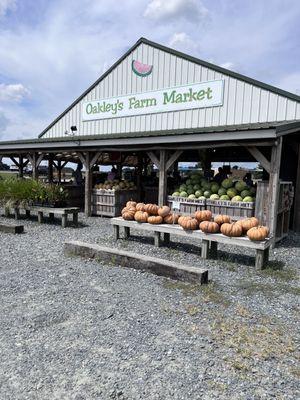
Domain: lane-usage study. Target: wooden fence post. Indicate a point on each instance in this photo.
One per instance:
(274, 186)
(162, 185)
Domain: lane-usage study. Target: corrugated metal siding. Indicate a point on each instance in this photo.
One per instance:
(243, 102)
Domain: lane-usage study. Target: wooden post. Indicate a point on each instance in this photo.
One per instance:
(274, 186)
(162, 185)
(21, 167)
(59, 168)
(50, 169)
(296, 218)
(35, 161)
(88, 185)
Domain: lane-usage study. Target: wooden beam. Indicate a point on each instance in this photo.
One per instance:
(254, 151)
(162, 185)
(296, 218)
(15, 161)
(154, 159)
(95, 158)
(173, 158)
(274, 187)
(88, 185)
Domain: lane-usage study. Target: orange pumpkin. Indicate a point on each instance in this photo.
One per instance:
(232, 230)
(172, 218)
(141, 216)
(248, 223)
(140, 207)
(131, 204)
(204, 215)
(222, 219)
(209, 227)
(155, 219)
(188, 223)
(151, 209)
(258, 233)
(128, 213)
(164, 211)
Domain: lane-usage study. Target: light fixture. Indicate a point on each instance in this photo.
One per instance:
(74, 129)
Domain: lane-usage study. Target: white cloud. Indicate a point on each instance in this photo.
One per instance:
(4, 121)
(166, 9)
(13, 93)
(290, 82)
(6, 5)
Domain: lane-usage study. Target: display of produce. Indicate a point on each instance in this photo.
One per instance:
(155, 219)
(231, 229)
(116, 184)
(196, 187)
(140, 207)
(171, 218)
(188, 223)
(128, 213)
(141, 216)
(248, 223)
(222, 219)
(258, 233)
(131, 203)
(164, 211)
(151, 209)
(209, 227)
(204, 215)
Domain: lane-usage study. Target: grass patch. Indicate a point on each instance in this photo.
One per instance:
(212, 294)
(187, 289)
(252, 288)
(280, 274)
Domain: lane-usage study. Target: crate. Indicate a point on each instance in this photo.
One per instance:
(187, 206)
(238, 210)
(110, 202)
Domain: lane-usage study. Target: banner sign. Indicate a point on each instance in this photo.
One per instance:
(187, 97)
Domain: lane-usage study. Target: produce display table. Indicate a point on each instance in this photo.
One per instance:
(51, 211)
(209, 242)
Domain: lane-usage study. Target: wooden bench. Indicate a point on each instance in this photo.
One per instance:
(209, 242)
(51, 211)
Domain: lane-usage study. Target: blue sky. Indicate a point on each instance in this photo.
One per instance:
(51, 51)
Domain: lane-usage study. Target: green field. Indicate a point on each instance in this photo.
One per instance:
(8, 174)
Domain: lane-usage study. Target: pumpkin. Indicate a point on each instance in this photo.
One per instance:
(164, 211)
(232, 230)
(209, 227)
(171, 218)
(131, 204)
(248, 223)
(155, 219)
(128, 213)
(141, 216)
(204, 215)
(222, 219)
(258, 233)
(151, 209)
(188, 223)
(140, 207)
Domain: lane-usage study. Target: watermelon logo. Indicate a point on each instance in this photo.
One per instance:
(141, 69)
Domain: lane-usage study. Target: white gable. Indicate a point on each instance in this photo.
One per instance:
(243, 102)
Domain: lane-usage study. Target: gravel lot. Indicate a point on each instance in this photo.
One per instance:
(77, 329)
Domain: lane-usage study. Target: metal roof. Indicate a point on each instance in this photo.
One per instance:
(195, 60)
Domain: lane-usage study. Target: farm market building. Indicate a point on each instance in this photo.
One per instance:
(157, 105)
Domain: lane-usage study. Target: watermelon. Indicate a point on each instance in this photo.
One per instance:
(236, 199)
(183, 194)
(224, 197)
(240, 186)
(222, 191)
(231, 192)
(175, 194)
(202, 198)
(227, 183)
(192, 196)
(198, 193)
(197, 187)
(248, 199)
(245, 193)
(190, 191)
(215, 187)
(207, 193)
(214, 197)
(141, 69)
(183, 188)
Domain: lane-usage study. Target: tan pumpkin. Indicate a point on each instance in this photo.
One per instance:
(164, 211)
(232, 230)
(209, 227)
(155, 219)
(248, 223)
(258, 233)
(128, 213)
(131, 203)
(172, 218)
(151, 209)
(140, 207)
(222, 219)
(204, 215)
(188, 223)
(141, 216)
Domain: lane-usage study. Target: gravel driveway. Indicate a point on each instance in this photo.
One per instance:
(78, 329)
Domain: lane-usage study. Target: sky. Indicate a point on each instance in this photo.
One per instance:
(51, 51)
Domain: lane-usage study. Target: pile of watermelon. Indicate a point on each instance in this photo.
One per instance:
(196, 187)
